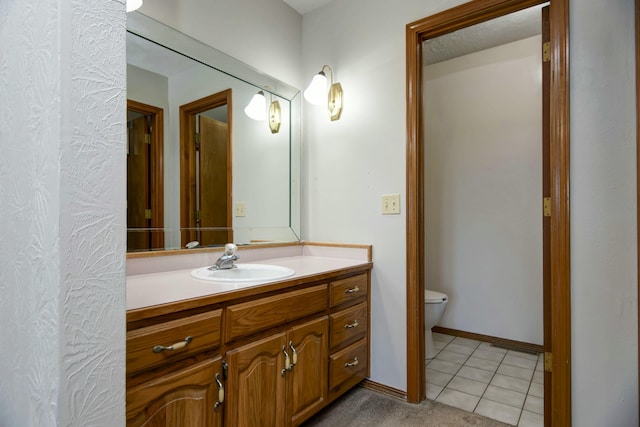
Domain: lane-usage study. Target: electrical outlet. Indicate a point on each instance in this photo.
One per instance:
(241, 209)
(390, 204)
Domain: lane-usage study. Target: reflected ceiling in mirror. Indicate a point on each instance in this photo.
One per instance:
(166, 70)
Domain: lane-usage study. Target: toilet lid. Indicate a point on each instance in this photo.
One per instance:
(433, 296)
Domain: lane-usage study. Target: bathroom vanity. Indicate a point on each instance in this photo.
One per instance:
(246, 354)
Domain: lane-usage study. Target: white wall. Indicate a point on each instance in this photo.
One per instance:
(264, 34)
(350, 163)
(483, 189)
(603, 214)
(62, 213)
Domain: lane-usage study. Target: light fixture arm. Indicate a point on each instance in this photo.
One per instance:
(330, 72)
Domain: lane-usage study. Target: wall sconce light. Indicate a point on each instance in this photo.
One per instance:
(316, 93)
(275, 115)
(257, 110)
(257, 107)
(133, 5)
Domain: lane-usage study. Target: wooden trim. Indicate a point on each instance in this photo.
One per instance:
(383, 389)
(501, 342)
(369, 248)
(453, 19)
(637, 19)
(188, 163)
(560, 219)
(157, 168)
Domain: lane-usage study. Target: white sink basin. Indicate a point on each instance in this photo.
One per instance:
(244, 273)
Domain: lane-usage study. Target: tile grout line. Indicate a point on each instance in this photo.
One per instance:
(501, 363)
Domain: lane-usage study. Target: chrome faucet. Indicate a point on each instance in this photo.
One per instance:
(226, 261)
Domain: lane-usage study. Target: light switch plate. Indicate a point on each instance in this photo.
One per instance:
(241, 209)
(390, 204)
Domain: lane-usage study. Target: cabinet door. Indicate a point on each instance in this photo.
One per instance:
(307, 381)
(183, 398)
(256, 385)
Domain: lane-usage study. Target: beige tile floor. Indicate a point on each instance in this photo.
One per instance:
(504, 385)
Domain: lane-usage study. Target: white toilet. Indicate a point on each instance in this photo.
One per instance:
(434, 305)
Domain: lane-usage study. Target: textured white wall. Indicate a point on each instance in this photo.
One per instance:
(483, 187)
(603, 215)
(62, 133)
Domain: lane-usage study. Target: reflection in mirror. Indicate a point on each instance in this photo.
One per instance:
(206, 170)
(169, 195)
(145, 205)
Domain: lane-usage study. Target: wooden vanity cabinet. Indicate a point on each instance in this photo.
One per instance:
(273, 358)
(186, 397)
(280, 380)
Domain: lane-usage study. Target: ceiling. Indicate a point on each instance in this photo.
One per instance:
(509, 28)
(304, 6)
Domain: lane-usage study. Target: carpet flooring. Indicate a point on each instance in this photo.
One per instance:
(365, 408)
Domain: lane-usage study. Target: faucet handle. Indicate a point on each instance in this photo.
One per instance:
(230, 249)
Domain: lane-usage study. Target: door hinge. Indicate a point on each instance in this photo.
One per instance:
(147, 214)
(197, 216)
(546, 51)
(147, 138)
(547, 361)
(546, 203)
(225, 370)
(196, 138)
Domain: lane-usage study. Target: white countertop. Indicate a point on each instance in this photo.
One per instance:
(146, 290)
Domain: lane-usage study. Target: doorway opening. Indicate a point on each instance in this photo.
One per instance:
(205, 171)
(557, 346)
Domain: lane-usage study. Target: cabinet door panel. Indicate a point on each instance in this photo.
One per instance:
(307, 381)
(183, 398)
(255, 385)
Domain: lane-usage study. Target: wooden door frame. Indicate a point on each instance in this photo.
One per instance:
(156, 168)
(188, 163)
(450, 20)
(637, 52)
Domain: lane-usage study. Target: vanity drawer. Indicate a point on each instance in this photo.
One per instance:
(253, 316)
(350, 289)
(348, 325)
(348, 363)
(204, 330)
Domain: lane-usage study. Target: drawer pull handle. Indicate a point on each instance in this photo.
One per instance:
(294, 353)
(352, 290)
(176, 346)
(354, 362)
(287, 361)
(220, 393)
(351, 325)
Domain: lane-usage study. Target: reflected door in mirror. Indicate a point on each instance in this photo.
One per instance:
(205, 170)
(212, 182)
(144, 178)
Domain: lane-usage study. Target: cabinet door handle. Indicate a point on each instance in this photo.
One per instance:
(352, 290)
(287, 361)
(294, 354)
(354, 362)
(220, 393)
(351, 325)
(176, 346)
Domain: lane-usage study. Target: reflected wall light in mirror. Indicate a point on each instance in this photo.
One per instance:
(133, 5)
(257, 107)
(256, 110)
(316, 93)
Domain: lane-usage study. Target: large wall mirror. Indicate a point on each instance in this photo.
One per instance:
(177, 87)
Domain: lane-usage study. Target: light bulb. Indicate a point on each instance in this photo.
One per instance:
(317, 93)
(133, 5)
(257, 108)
